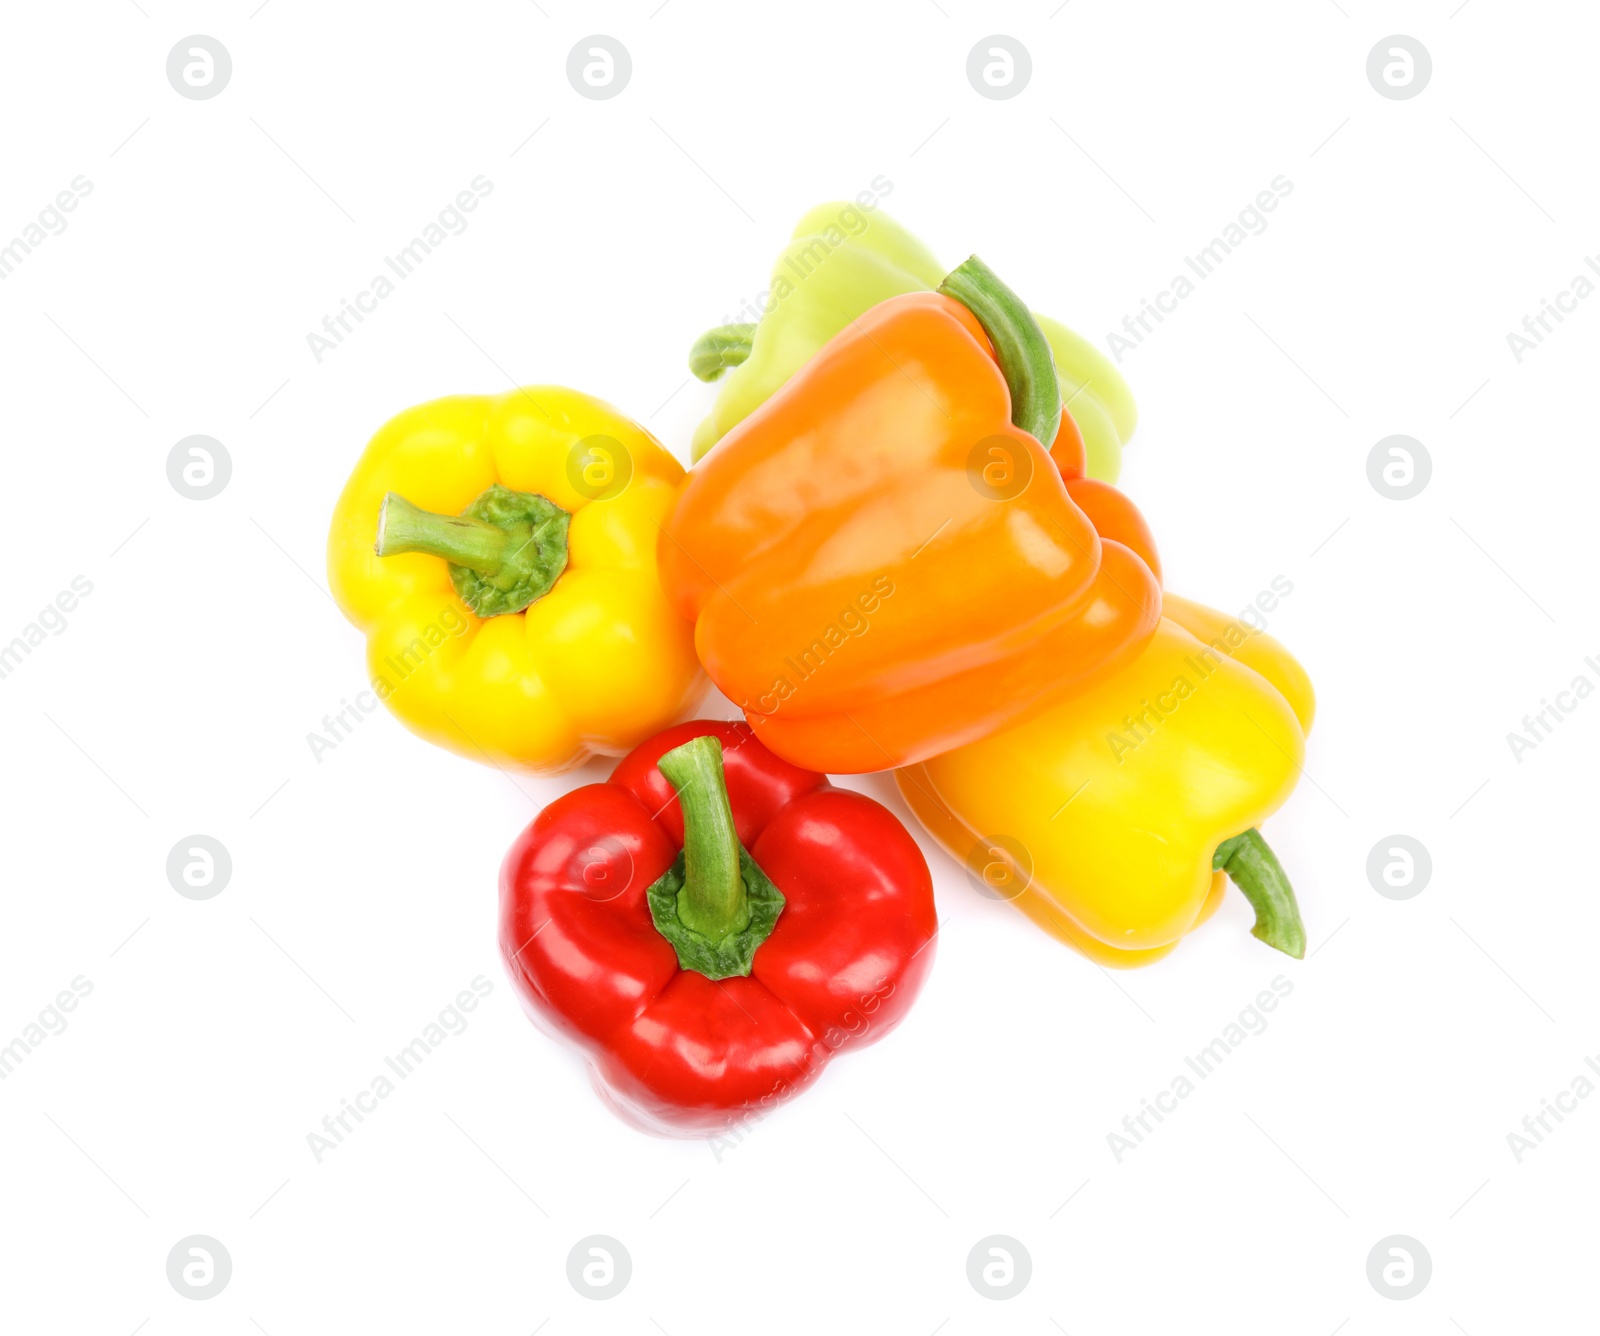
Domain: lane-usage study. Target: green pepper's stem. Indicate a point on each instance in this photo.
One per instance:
(1019, 346)
(719, 349)
(402, 527)
(1254, 869)
(713, 901)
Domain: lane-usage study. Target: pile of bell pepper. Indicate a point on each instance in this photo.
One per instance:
(899, 549)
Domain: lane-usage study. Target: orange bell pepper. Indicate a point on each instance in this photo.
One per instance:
(884, 561)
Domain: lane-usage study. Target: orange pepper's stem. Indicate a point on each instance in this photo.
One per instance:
(1020, 347)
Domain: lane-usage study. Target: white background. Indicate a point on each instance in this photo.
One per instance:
(179, 697)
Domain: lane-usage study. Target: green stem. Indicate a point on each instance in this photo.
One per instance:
(719, 349)
(712, 901)
(1019, 346)
(505, 550)
(1253, 867)
(403, 527)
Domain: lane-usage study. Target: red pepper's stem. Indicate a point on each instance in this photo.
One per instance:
(1020, 347)
(713, 901)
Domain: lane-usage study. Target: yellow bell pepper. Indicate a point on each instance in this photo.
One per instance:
(500, 554)
(1115, 819)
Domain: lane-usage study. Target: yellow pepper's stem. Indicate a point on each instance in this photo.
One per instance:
(403, 527)
(505, 550)
(720, 349)
(1254, 869)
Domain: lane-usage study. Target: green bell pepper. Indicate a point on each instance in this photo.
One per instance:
(842, 261)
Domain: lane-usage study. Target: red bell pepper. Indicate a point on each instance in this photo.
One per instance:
(712, 924)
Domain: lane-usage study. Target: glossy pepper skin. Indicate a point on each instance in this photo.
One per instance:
(1103, 818)
(595, 663)
(881, 567)
(841, 262)
(672, 1050)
